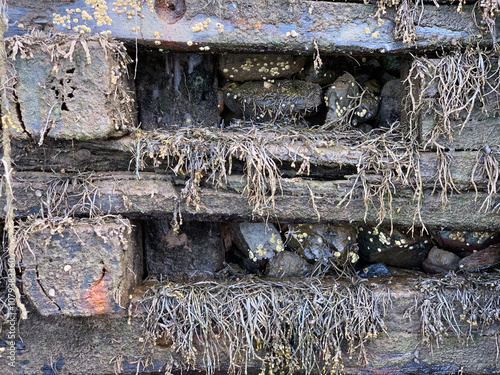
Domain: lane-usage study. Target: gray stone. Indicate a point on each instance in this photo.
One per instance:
(440, 261)
(254, 67)
(481, 259)
(397, 249)
(325, 75)
(283, 99)
(463, 243)
(374, 270)
(72, 98)
(82, 268)
(369, 104)
(288, 264)
(341, 97)
(195, 250)
(321, 242)
(391, 101)
(257, 241)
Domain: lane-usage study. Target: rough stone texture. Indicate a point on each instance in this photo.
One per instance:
(177, 89)
(464, 242)
(397, 249)
(253, 67)
(340, 96)
(284, 99)
(288, 264)
(319, 242)
(257, 241)
(481, 259)
(369, 104)
(391, 102)
(196, 250)
(70, 98)
(440, 261)
(82, 269)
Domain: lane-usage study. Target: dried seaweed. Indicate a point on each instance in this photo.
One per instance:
(460, 304)
(287, 326)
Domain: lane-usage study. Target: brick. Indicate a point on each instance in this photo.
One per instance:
(82, 268)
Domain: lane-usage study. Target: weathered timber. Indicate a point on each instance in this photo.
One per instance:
(326, 160)
(104, 345)
(155, 195)
(482, 130)
(250, 26)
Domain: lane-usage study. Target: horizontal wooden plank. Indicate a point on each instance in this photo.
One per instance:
(108, 345)
(326, 159)
(248, 25)
(156, 195)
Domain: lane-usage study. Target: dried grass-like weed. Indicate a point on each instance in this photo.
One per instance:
(285, 325)
(460, 304)
(487, 165)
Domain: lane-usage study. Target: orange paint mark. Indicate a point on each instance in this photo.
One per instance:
(96, 298)
(258, 26)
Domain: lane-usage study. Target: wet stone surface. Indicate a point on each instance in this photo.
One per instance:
(391, 101)
(257, 241)
(481, 260)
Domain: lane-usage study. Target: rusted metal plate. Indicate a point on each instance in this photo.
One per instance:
(248, 25)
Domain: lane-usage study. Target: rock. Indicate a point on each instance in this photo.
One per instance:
(391, 99)
(72, 98)
(196, 250)
(284, 99)
(370, 101)
(340, 98)
(398, 249)
(288, 264)
(374, 270)
(481, 259)
(440, 261)
(320, 242)
(257, 241)
(82, 268)
(463, 243)
(255, 67)
(324, 76)
(391, 64)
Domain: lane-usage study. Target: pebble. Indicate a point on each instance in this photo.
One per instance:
(288, 264)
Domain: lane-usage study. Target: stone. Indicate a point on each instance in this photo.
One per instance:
(82, 96)
(82, 268)
(195, 250)
(325, 75)
(257, 241)
(321, 242)
(378, 245)
(288, 264)
(341, 97)
(391, 105)
(482, 259)
(374, 270)
(463, 243)
(177, 89)
(265, 101)
(369, 104)
(440, 261)
(255, 67)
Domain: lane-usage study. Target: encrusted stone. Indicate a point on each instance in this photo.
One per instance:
(463, 243)
(254, 67)
(264, 101)
(257, 241)
(341, 97)
(397, 249)
(481, 259)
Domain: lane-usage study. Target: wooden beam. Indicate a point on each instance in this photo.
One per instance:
(106, 345)
(302, 201)
(250, 26)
